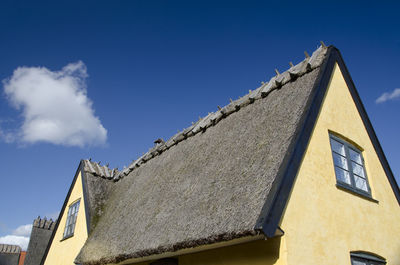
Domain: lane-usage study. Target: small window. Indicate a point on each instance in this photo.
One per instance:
(71, 219)
(349, 166)
(362, 258)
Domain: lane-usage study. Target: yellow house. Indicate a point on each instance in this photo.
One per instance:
(84, 202)
(291, 173)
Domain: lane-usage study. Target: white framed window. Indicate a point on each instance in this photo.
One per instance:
(71, 219)
(363, 258)
(349, 166)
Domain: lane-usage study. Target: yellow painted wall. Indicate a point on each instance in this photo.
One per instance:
(323, 223)
(260, 252)
(63, 252)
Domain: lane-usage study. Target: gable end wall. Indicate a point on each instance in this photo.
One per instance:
(323, 222)
(63, 251)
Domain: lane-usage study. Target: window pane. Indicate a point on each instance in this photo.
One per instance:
(71, 219)
(357, 169)
(342, 175)
(337, 147)
(356, 262)
(355, 156)
(340, 161)
(361, 183)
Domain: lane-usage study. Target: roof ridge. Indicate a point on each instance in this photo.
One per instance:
(98, 170)
(276, 82)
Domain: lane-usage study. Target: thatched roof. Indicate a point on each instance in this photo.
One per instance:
(97, 187)
(210, 182)
(40, 236)
(97, 184)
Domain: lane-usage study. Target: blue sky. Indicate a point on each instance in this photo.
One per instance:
(150, 68)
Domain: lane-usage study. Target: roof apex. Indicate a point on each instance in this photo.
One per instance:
(96, 169)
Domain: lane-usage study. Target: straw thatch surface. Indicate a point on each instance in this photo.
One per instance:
(206, 188)
(97, 186)
(97, 191)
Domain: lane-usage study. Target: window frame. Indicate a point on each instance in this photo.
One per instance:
(366, 258)
(347, 147)
(74, 217)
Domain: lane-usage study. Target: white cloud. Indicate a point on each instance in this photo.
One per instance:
(388, 96)
(19, 236)
(21, 241)
(6, 136)
(54, 105)
(23, 230)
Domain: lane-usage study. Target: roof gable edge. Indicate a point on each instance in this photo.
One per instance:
(368, 126)
(277, 199)
(276, 202)
(85, 196)
(81, 170)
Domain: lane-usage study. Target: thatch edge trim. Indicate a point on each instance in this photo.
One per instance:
(278, 197)
(276, 82)
(172, 248)
(102, 171)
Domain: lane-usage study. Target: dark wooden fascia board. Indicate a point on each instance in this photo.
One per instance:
(276, 202)
(80, 169)
(86, 200)
(368, 127)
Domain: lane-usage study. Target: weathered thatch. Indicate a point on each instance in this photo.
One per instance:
(40, 236)
(97, 187)
(9, 254)
(208, 183)
(97, 170)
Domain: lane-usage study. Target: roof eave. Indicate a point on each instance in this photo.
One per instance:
(183, 251)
